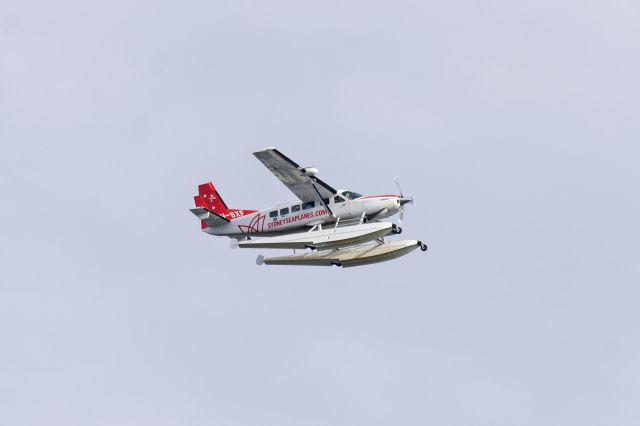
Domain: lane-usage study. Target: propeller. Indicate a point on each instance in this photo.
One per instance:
(403, 200)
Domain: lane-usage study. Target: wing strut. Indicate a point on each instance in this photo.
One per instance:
(313, 184)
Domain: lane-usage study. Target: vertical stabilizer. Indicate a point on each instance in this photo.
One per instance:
(209, 198)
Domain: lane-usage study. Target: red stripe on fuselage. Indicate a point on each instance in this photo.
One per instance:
(378, 196)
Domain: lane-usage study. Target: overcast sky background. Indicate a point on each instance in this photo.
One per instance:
(514, 124)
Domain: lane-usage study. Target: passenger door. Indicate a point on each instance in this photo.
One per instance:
(340, 207)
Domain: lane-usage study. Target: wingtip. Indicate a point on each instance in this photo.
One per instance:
(270, 148)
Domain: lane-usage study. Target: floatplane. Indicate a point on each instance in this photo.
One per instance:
(331, 227)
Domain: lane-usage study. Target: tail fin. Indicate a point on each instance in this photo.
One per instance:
(209, 198)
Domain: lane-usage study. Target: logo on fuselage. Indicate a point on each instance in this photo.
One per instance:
(296, 218)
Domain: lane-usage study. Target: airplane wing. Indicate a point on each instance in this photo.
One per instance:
(209, 217)
(299, 180)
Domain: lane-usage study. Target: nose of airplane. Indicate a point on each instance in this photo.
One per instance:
(404, 201)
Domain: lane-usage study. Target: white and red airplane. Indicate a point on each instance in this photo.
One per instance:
(353, 219)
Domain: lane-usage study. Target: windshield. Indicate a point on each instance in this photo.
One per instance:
(351, 195)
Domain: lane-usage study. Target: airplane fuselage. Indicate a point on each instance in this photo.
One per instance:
(297, 216)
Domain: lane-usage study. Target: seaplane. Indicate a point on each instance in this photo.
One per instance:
(323, 227)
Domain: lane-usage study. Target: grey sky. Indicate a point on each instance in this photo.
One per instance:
(514, 125)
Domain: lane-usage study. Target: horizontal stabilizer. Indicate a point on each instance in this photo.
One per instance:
(209, 217)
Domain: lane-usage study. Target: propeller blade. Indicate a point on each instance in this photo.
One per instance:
(403, 200)
(401, 219)
(397, 181)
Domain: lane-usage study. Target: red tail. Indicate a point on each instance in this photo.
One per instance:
(209, 198)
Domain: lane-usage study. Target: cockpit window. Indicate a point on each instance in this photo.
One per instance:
(351, 195)
(338, 199)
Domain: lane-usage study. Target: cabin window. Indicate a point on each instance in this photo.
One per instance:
(273, 214)
(295, 208)
(326, 201)
(338, 199)
(284, 211)
(309, 205)
(351, 195)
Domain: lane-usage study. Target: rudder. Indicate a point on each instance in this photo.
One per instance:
(209, 198)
